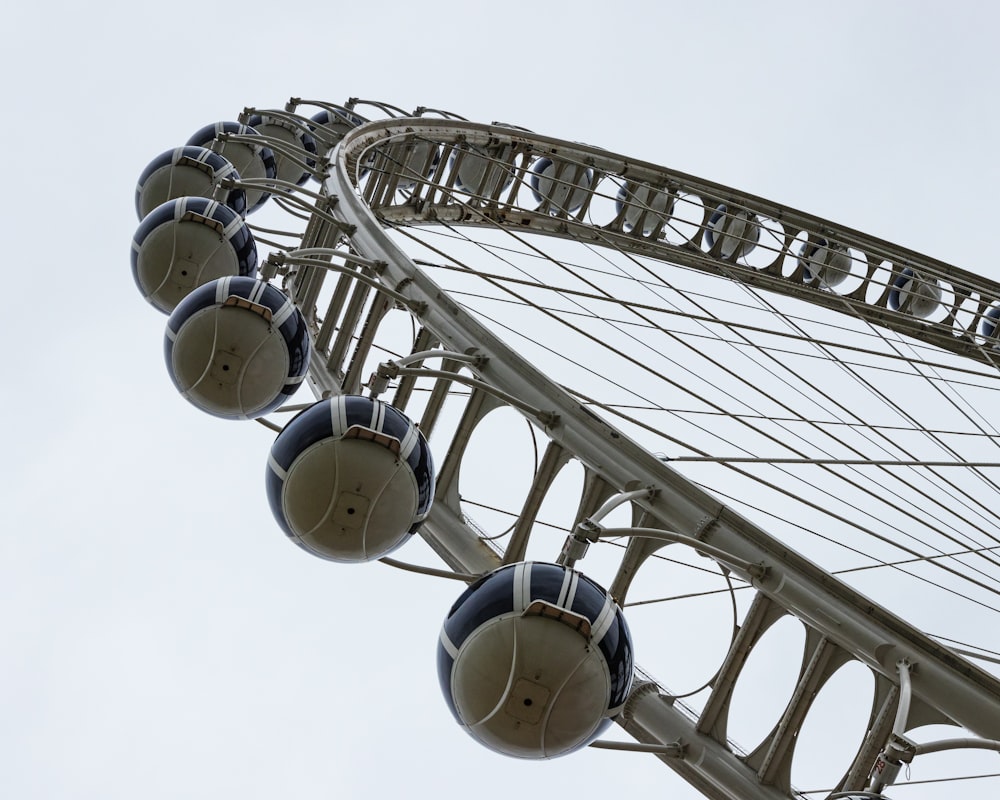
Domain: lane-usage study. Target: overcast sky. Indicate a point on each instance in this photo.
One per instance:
(160, 637)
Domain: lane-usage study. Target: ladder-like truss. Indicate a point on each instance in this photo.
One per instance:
(352, 267)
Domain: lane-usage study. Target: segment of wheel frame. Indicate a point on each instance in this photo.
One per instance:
(417, 173)
(404, 166)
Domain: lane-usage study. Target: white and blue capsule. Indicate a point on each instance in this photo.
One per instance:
(827, 264)
(236, 348)
(484, 171)
(336, 121)
(989, 326)
(559, 187)
(188, 172)
(736, 232)
(535, 660)
(643, 208)
(295, 138)
(350, 479)
(185, 243)
(332, 124)
(254, 162)
(413, 160)
(915, 294)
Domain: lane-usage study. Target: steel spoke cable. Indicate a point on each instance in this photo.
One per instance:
(918, 428)
(603, 542)
(940, 479)
(849, 310)
(915, 462)
(897, 478)
(587, 335)
(896, 343)
(898, 784)
(895, 565)
(682, 191)
(718, 338)
(939, 431)
(985, 651)
(983, 654)
(947, 392)
(858, 370)
(877, 336)
(674, 336)
(778, 244)
(871, 493)
(624, 355)
(823, 510)
(793, 476)
(783, 366)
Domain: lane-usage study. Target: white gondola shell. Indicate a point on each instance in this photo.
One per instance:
(187, 172)
(914, 294)
(560, 187)
(827, 264)
(186, 243)
(989, 327)
(331, 125)
(736, 232)
(295, 139)
(337, 121)
(482, 171)
(413, 161)
(254, 162)
(236, 348)
(350, 479)
(535, 660)
(645, 208)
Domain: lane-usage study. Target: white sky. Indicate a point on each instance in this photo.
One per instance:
(160, 638)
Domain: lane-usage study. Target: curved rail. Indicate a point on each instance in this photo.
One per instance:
(472, 174)
(417, 171)
(423, 172)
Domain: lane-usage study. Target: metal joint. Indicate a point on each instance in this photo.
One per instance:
(587, 530)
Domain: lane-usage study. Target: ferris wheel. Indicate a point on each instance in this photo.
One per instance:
(792, 411)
